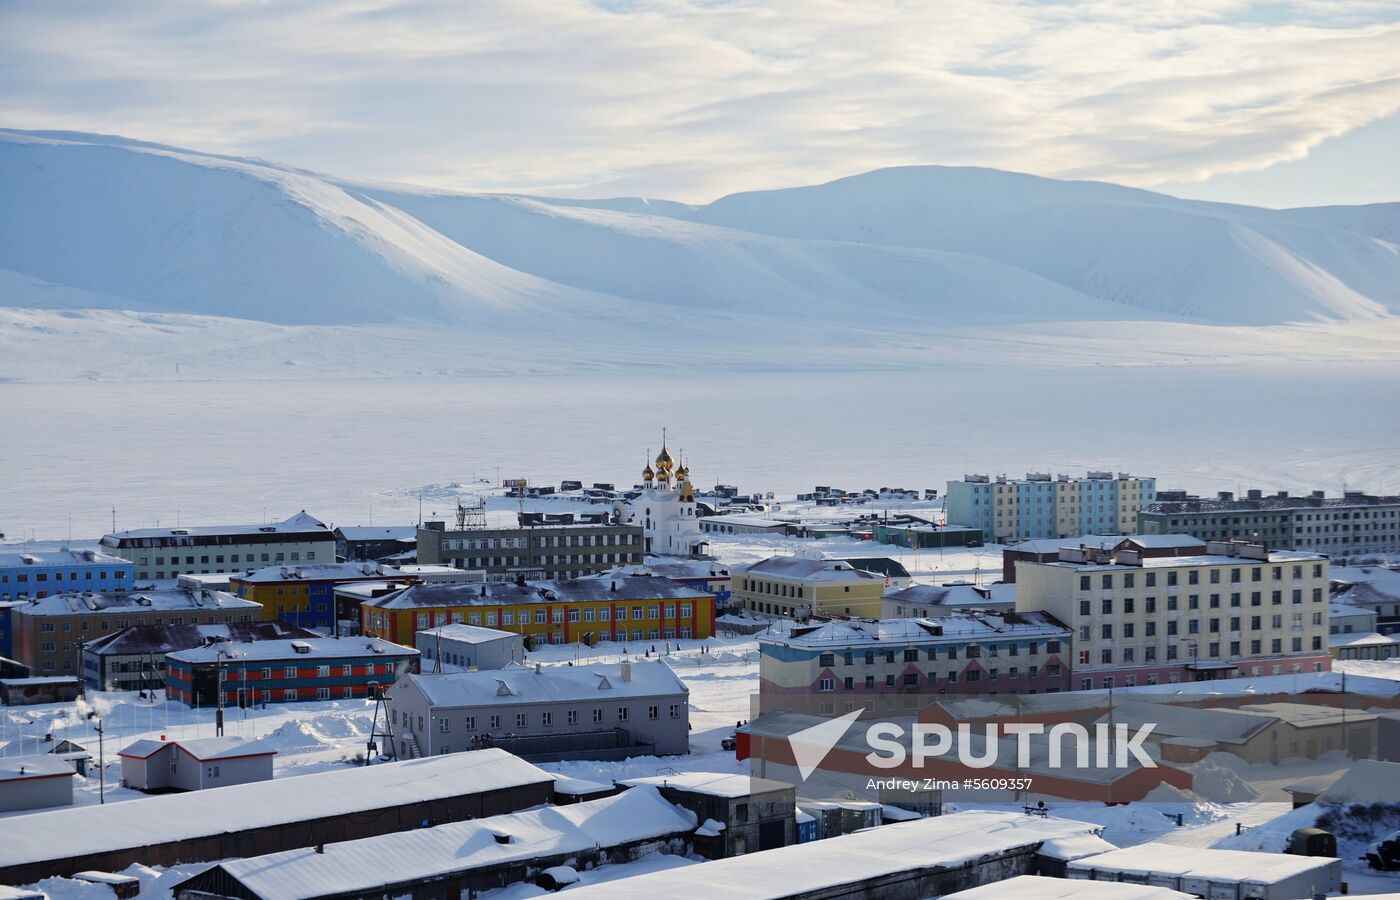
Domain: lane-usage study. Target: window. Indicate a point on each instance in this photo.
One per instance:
(495, 722)
(289, 672)
(674, 710)
(572, 717)
(653, 712)
(827, 684)
(444, 725)
(289, 694)
(622, 713)
(597, 715)
(323, 693)
(520, 720)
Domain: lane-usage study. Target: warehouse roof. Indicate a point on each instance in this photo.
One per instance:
(849, 859)
(1041, 887)
(1203, 862)
(407, 533)
(516, 684)
(347, 571)
(370, 865)
(67, 833)
(140, 640)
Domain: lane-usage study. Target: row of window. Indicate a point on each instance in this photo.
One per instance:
(544, 718)
(41, 577)
(1108, 681)
(914, 679)
(1193, 601)
(1128, 630)
(558, 616)
(1108, 655)
(1193, 576)
(218, 559)
(912, 654)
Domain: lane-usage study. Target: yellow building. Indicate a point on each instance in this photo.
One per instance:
(798, 588)
(583, 610)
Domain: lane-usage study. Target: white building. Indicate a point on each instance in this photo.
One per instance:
(193, 765)
(35, 782)
(1237, 610)
(470, 647)
(1042, 506)
(666, 509)
(160, 553)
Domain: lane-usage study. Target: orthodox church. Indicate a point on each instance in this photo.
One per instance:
(666, 509)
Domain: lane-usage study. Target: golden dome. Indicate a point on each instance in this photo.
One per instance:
(664, 462)
(683, 472)
(648, 474)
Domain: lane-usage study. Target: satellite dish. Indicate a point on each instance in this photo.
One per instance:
(620, 512)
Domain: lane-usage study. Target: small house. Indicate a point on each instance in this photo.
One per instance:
(35, 782)
(162, 766)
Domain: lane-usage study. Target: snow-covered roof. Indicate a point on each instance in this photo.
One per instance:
(800, 868)
(65, 833)
(714, 784)
(1076, 846)
(14, 893)
(379, 532)
(1360, 639)
(136, 602)
(301, 523)
(958, 626)
(1307, 715)
(149, 639)
(753, 521)
(808, 569)
(1042, 887)
(1367, 781)
(1170, 720)
(1183, 562)
(203, 749)
(370, 865)
(950, 595)
(517, 684)
(467, 634)
(1339, 610)
(1053, 545)
(622, 589)
(1203, 862)
(677, 570)
(347, 571)
(23, 768)
(1163, 541)
(20, 559)
(317, 648)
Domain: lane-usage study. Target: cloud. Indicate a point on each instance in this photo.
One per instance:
(692, 99)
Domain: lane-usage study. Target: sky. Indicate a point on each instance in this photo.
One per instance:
(1268, 103)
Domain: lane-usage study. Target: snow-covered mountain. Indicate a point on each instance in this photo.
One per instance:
(104, 222)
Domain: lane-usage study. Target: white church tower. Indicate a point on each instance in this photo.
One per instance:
(666, 509)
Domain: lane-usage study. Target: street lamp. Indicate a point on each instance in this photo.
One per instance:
(101, 759)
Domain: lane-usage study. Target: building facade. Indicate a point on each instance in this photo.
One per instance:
(1237, 610)
(194, 765)
(533, 551)
(797, 588)
(280, 671)
(160, 553)
(1355, 526)
(49, 633)
(561, 712)
(470, 646)
(835, 667)
(1045, 506)
(304, 594)
(133, 659)
(24, 575)
(581, 610)
(374, 543)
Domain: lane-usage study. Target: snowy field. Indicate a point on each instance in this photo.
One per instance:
(356, 451)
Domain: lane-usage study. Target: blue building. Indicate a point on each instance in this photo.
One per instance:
(31, 575)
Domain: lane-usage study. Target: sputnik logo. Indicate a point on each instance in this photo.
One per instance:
(811, 745)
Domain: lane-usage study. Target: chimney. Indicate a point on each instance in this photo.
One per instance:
(626, 670)
(520, 579)
(614, 586)
(320, 848)
(1255, 494)
(1318, 495)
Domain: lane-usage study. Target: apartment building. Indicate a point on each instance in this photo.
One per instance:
(1354, 526)
(532, 551)
(305, 594)
(582, 610)
(284, 671)
(133, 659)
(798, 588)
(840, 665)
(48, 633)
(1044, 506)
(544, 714)
(39, 573)
(161, 553)
(1236, 610)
